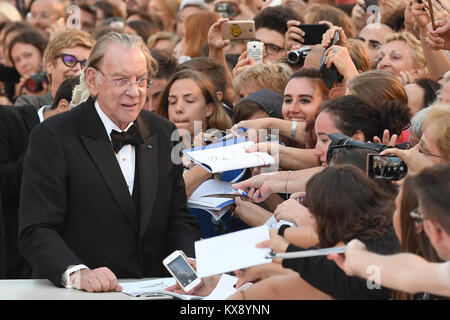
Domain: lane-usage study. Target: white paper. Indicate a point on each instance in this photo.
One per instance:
(232, 251)
(212, 186)
(224, 289)
(230, 157)
(272, 223)
(139, 288)
(154, 287)
(216, 206)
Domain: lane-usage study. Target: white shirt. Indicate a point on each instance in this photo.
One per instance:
(126, 158)
(41, 112)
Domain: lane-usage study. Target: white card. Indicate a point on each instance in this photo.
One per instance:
(232, 251)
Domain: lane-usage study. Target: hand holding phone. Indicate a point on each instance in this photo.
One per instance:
(313, 33)
(330, 75)
(255, 49)
(238, 30)
(386, 167)
(182, 271)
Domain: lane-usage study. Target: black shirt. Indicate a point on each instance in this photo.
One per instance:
(326, 275)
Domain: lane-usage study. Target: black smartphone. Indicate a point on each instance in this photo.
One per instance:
(386, 167)
(371, 3)
(313, 33)
(330, 75)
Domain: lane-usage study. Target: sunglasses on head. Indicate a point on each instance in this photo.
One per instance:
(70, 61)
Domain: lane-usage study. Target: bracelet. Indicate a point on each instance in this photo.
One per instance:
(293, 130)
(282, 229)
(243, 290)
(286, 184)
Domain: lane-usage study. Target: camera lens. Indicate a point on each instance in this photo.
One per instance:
(31, 85)
(35, 82)
(293, 57)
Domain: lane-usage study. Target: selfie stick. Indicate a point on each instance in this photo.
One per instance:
(305, 254)
(431, 14)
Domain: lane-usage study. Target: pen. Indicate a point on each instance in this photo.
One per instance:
(242, 193)
(231, 135)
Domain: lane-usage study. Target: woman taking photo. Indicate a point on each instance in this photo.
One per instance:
(26, 52)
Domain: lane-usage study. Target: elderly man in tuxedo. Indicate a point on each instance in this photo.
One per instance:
(101, 198)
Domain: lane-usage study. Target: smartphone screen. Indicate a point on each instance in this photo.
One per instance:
(386, 167)
(182, 271)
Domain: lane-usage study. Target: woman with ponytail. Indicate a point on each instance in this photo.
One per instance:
(377, 87)
(354, 117)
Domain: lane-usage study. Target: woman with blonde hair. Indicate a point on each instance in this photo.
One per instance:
(273, 76)
(435, 141)
(402, 55)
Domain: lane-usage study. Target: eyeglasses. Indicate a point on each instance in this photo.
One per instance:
(70, 61)
(272, 49)
(124, 83)
(425, 152)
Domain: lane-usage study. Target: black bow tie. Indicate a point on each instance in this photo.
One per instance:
(120, 139)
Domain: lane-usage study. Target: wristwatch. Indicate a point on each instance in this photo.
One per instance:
(282, 229)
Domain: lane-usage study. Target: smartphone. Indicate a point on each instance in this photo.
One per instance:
(371, 3)
(238, 30)
(386, 167)
(181, 270)
(255, 50)
(330, 75)
(313, 33)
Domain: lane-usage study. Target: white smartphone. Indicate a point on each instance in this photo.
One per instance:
(255, 50)
(182, 271)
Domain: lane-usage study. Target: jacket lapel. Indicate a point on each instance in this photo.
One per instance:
(147, 160)
(100, 149)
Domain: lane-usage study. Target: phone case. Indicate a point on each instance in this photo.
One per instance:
(313, 33)
(185, 265)
(330, 75)
(255, 50)
(238, 30)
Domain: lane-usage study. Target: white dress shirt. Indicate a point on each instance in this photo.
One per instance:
(126, 158)
(127, 155)
(40, 112)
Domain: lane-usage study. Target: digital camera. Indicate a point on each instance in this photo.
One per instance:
(297, 57)
(339, 140)
(35, 82)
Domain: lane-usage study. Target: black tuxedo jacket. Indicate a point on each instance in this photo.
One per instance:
(76, 208)
(16, 124)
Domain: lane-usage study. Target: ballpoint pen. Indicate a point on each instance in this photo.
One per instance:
(231, 135)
